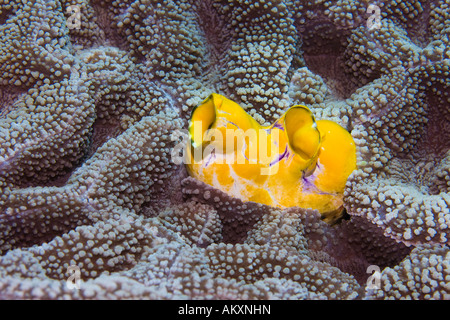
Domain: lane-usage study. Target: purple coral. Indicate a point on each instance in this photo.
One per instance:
(87, 114)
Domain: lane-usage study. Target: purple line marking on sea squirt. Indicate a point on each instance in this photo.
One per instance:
(212, 157)
(309, 186)
(278, 125)
(234, 124)
(280, 157)
(244, 148)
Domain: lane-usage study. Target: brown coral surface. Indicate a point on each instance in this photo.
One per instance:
(94, 99)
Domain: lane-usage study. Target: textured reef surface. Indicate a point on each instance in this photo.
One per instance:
(94, 98)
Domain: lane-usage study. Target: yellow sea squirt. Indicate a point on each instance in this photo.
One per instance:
(297, 161)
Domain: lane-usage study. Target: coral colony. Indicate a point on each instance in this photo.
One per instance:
(99, 198)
